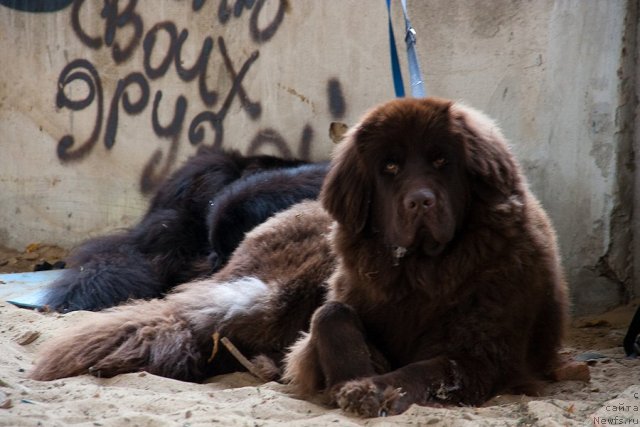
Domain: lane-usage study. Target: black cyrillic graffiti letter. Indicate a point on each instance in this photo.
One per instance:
(115, 20)
(174, 128)
(188, 74)
(149, 43)
(198, 69)
(84, 71)
(269, 137)
(196, 131)
(263, 35)
(253, 108)
(92, 42)
(130, 107)
(151, 177)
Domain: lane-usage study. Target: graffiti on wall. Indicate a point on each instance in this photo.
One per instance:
(123, 32)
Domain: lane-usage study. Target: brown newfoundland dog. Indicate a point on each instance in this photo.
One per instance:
(431, 276)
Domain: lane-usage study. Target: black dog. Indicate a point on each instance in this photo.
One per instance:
(172, 242)
(248, 202)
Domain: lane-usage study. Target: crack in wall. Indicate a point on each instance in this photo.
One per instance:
(604, 269)
(617, 264)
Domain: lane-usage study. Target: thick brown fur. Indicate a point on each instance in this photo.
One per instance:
(440, 282)
(260, 300)
(448, 267)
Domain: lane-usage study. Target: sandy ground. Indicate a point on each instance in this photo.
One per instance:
(612, 397)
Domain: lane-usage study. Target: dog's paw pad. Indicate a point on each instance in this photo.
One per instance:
(366, 399)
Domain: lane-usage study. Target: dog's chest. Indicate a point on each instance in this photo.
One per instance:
(401, 328)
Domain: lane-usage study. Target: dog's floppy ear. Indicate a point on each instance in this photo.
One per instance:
(346, 193)
(486, 153)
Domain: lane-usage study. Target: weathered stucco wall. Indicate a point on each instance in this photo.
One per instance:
(100, 99)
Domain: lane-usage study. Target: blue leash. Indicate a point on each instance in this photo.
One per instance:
(398, 84)
(415, 75)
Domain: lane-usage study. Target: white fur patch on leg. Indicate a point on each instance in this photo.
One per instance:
(239, 296)
(212, 303)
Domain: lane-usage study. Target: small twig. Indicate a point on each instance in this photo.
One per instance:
(216, 339)
(243, 360)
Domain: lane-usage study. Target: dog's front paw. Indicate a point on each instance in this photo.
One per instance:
(366, 399)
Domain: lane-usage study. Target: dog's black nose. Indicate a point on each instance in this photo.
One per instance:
(419, 199)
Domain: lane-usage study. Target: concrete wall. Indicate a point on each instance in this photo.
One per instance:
(97, 103)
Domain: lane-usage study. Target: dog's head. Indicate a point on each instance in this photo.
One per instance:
(410, 170)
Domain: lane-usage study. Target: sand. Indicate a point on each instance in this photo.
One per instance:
(612, 397)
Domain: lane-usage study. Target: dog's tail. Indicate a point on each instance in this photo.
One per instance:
(149, 336)
(103, 272)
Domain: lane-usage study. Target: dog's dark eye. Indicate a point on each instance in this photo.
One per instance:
(439, 163)
(391, 168)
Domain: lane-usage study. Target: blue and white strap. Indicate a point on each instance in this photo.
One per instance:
(415, 75)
